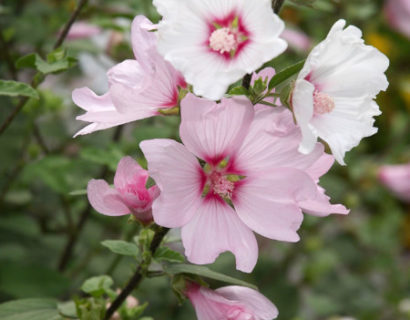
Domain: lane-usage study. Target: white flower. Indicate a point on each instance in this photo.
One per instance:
(215, 43)
(334, 94)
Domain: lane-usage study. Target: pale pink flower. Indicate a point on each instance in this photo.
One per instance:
(215, 43)
(129, 195)
(334, 94)
(82, 29)
(138, 88)
(252, 178)
(297, 39)
(398, 15)
(230, 303)
(397, 179)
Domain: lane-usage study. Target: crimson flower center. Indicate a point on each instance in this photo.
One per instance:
(322, 103)
(224, 40)
(219, 184)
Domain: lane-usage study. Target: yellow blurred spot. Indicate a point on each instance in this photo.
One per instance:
(380, 42)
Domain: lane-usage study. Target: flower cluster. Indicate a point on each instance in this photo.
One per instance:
(245, 164)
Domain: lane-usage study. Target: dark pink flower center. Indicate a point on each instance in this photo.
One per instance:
(227, 36)
(220, 185)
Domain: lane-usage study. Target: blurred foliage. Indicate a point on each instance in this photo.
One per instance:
(355, 265)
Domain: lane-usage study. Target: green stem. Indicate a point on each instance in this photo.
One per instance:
(139, 274)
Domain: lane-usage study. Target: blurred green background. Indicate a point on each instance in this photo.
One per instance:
(355, 266)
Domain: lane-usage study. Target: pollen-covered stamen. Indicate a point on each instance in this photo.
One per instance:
(223, 40)
(219, 184)
(322, 103)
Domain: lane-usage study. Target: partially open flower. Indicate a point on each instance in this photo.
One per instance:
(334, 94)
(215, 43)
(138, 88)
(230, 303)
(129, 195)
(251, 178)
(397, 179)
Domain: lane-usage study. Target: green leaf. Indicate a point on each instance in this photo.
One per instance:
(97, 286)
(121, 247)
(166, 254)
(30, 309)
(67, 309)
(205, 272)
(57, 61)
(109, 156)
(15, 88)
(238, 91)
(285, 74)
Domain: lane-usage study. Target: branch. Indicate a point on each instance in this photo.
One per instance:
(277, 5)
(70, 22)
(138, 275)
(7, 56)
(35, 84)
(73, 237)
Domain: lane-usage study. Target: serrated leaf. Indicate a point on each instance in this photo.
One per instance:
(203, 271)
(15, 88)
(285, 74)
(30, 309)
(167, 254)
(121, 247)
(97, 286)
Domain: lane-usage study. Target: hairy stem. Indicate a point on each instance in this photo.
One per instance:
(139, 274)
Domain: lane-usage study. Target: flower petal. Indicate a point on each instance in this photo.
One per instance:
(260, 307)
(215, 229)
(104, 199)
(129, 172)
(178, 175)
(213, 131)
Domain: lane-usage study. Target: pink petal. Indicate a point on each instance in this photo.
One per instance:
(143, 41)
(320, 206)
(129, 172)
(258, 304)
(89, 101)
(214, 131)
(178, 175)
(272, 142)
(129, 73)
(81, 29)
(215, 229)
(268, 205)
(104, 199)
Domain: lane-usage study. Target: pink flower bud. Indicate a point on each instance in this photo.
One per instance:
(129, 194)
(230, 303)
(80, 30)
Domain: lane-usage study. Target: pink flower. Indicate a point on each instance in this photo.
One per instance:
(215, 43)
(398, 15)
(129, 194)
(397, 179)
(81, 29)
(138, 88)
(251, 178)
(297, 39)
(230, 303)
